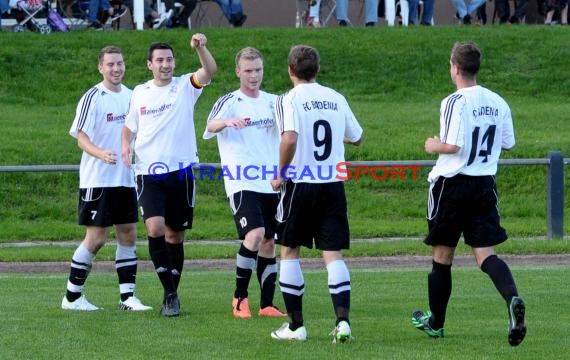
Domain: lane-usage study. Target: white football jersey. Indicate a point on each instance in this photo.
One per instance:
(479, 122)
(162, 119)
(249, 156)
(100, 114)
(322, 119)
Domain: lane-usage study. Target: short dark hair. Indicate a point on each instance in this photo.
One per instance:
(158, 46)
(111, 49)
(304, 62)
(467, 57)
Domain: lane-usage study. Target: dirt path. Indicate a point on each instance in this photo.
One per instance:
(384, 262)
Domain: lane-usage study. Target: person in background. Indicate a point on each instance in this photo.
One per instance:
(482, 14)
(465, 10)
(427, 13)
(314, 15)
(233, 11)
(370, 12)
(107, 193)
(176, 14)
(4, 7)
(96, 22)
(504, 11)
(551, 7)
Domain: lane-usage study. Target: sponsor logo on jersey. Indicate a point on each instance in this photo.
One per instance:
(261, 123)
(144, 111)
(112, 118)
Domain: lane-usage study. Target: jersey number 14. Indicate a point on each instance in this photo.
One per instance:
(484, 147)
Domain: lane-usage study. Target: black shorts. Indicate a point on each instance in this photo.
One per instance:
(254, 210)
(107, 206)
(171, 198)
(313, 212)
(464, 205)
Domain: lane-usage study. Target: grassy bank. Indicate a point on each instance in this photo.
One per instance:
(394, 79)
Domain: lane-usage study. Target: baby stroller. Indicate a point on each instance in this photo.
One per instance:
(29, 9)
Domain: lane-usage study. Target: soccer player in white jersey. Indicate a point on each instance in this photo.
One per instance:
(107, 189)
(161, 123)
(475, 125)
(315, 122)
(248, 140)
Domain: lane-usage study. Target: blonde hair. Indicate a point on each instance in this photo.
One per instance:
(248, 53)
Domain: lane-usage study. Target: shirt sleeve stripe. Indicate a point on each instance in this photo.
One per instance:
(219, 105)
(86, 105)
(279, 113)
(448, 112)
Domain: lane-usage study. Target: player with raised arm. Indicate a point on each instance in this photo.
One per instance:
(161, 123)
(315, 122)
(475, 125)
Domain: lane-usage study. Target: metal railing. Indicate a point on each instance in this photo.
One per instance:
(554, 180)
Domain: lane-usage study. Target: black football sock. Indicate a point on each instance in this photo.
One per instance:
(439, 292)
(176, 260)
(159, 256)
(501, 276)
(245, 263)
(266, 275)
(294, 305)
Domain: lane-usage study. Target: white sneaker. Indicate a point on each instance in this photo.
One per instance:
(341, 333)
(133, 304)
(284, 333)
(80, 304)
(161, 21)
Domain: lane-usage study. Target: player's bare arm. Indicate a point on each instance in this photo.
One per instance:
(105, 155)
(126, 150)
(217, 125)
(433, 145)
(209, 67)
(287, 150)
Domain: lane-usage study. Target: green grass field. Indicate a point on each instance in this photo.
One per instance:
(394, 79)
(34, 327)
